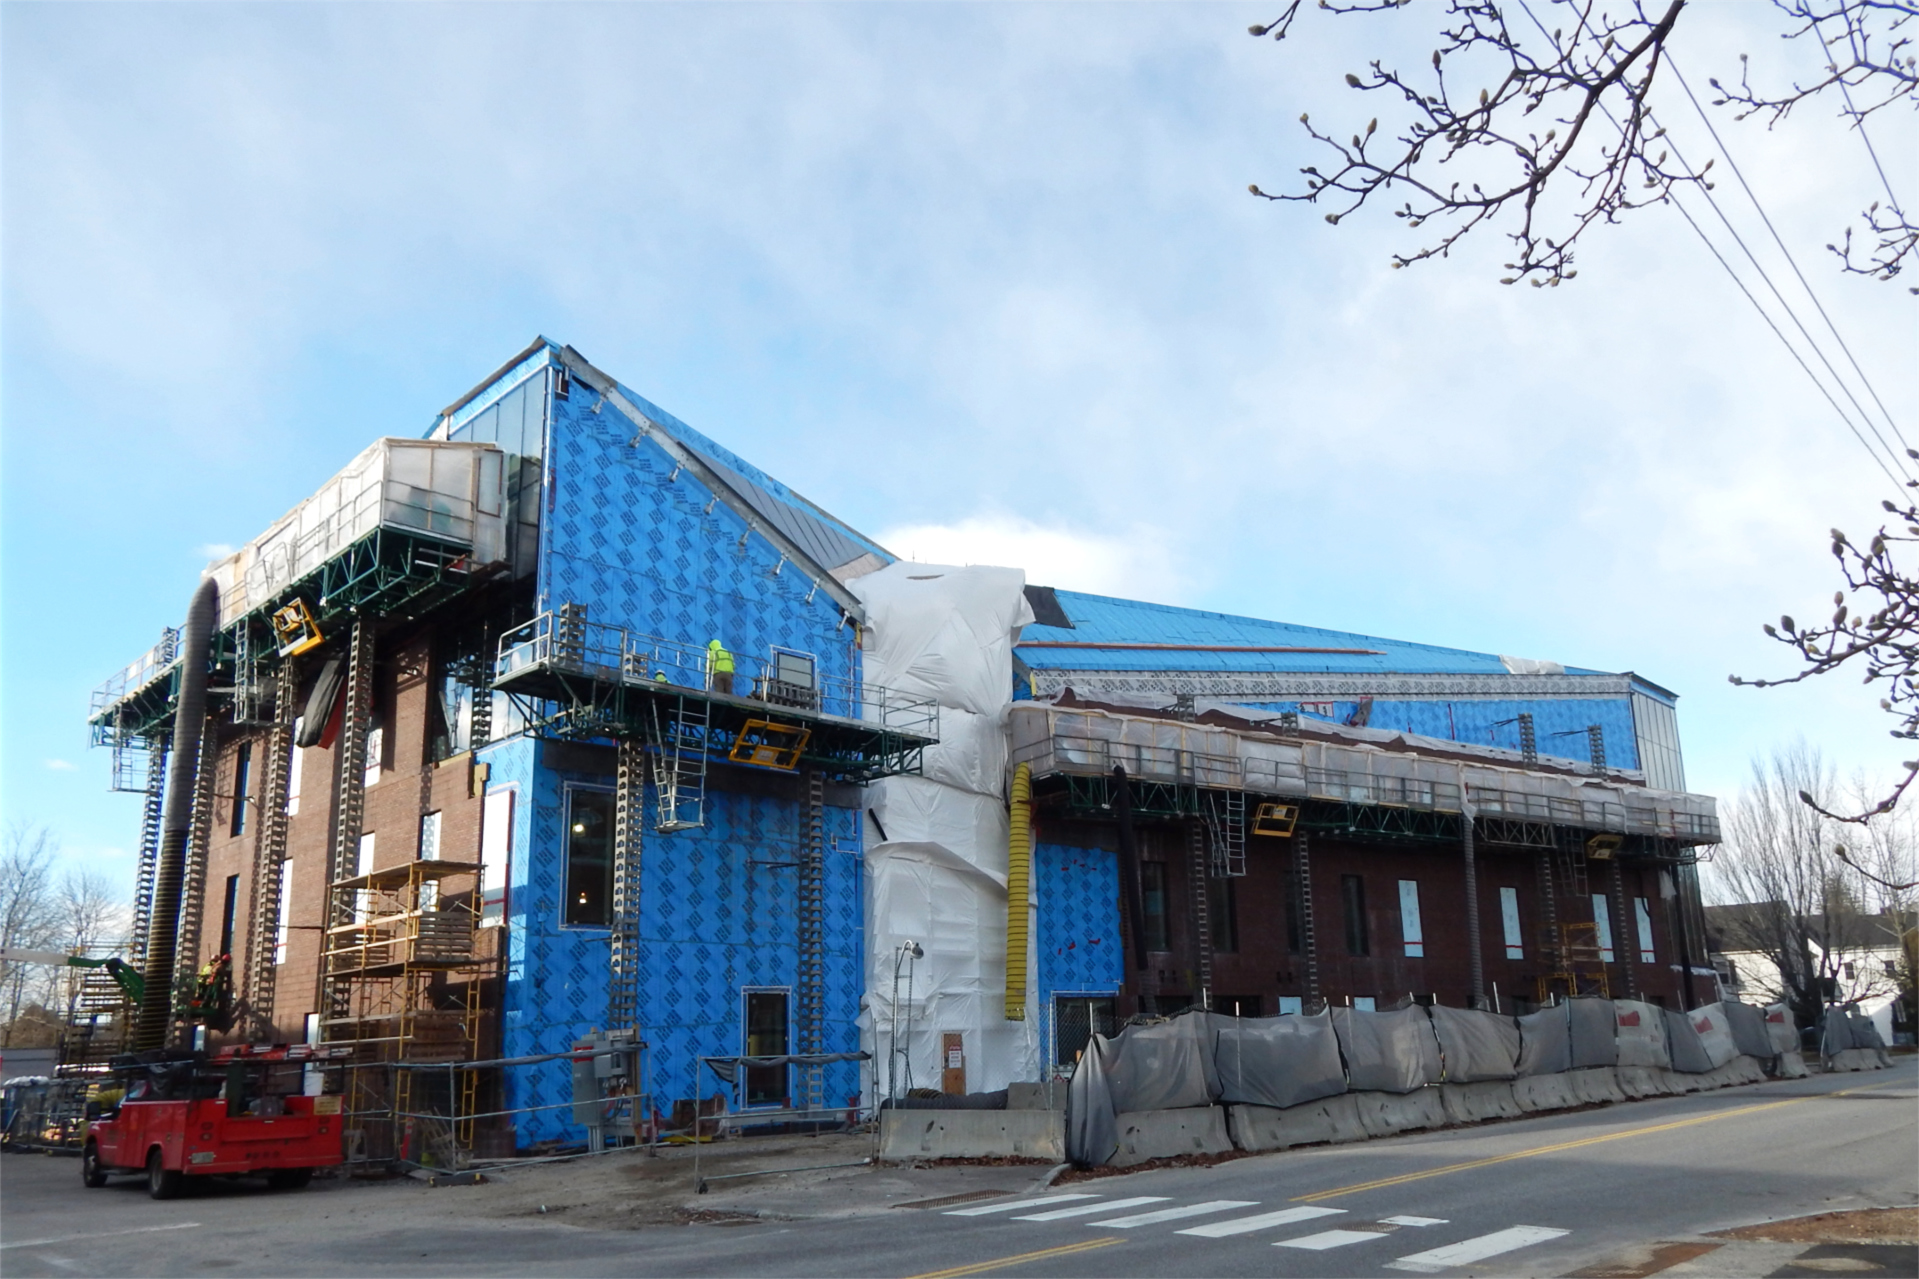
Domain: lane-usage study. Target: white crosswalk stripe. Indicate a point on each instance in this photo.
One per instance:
(1082, 1210)
(1013, 1204)
(1413, 1221)
(1434, 1260)
(1264, 1221)
(1330, 1239)
(1174, 1214)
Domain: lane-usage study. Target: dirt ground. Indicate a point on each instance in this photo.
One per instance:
(638, 1189)
(1870, 1225)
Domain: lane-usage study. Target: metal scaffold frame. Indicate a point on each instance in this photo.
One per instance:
(810, 911)
(629, 830)
(269, 863)
(193, 888)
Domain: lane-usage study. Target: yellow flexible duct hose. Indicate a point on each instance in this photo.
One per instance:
(1019, 872)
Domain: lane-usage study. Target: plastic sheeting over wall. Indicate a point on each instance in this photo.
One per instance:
(1545, 1041)
(936, 856)
(1163, 1067)
(1592, 1028)
(1640, 1032)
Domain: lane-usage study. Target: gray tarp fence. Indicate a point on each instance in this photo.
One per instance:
(1277, 1061)
(1639, 1035)
(1688, 1054)
(1545, 1041)
(1387, 1052)
(1710, 1023)
(1865, 1032)
(1163, 1067)
(1592, 1033)
(1835, 1033)
(1475, 1045)
(1092, 1134)
(1748, 1027)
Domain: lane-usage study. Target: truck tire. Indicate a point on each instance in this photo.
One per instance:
(92, 1175)
(162, 1182)
(289, 1178)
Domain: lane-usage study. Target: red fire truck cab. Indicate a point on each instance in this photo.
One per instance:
(245, 1111)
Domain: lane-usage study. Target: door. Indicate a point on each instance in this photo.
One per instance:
(766, 1036)
(952, 1063)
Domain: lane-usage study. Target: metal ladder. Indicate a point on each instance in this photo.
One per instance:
(269, 863)
(680, 737)
(1308, 934)
(193, 883)
(629, 820)
(1198, 839)
(1225, 815)
(336, 992)
(811, 912)
(155, 804)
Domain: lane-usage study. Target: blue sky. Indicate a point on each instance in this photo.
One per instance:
(983, 280)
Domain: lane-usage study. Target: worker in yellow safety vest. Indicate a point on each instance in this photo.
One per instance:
(719, 668)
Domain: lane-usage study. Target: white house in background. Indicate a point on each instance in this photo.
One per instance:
(1863, 963)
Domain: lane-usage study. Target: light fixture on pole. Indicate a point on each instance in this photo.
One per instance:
(907, 950)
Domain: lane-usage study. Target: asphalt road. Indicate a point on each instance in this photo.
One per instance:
(1542, 1196)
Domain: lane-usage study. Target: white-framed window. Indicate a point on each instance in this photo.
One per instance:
(1509, 922)
(430, 837)
(286, 907)
(375, 749)
(496, 853)
(1409, 919)
(1602, 916)
(1291, 1004)
(1642, 915)
(295, 755)
(363, 864)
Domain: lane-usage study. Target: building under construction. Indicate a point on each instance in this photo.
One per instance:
(563, 719)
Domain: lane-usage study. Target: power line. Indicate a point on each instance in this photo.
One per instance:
(1787, 253)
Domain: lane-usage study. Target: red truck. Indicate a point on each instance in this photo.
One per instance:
(241, 1112)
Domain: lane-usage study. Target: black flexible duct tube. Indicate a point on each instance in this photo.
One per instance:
(1476, 963)
(176, 820)
(1129, 885)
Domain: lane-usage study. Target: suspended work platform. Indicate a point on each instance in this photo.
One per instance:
(580, 679)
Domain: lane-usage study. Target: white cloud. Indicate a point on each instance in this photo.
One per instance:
(1138, 564)
(61, 766)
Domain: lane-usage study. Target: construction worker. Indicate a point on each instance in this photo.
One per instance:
(719, 668)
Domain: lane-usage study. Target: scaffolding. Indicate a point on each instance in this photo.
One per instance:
(1581, 964)
(403, 980)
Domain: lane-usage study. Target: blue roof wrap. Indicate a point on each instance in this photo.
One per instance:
(1102, 617)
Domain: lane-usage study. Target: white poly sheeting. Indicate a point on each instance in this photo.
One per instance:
(937, 631)
(1474, 1045)
(1387, 1052)
(1639, 1029)
(1277, 1061)
(1714, 1029)
(937, 874)
(1780, 1029)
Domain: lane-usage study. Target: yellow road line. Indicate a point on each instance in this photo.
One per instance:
(1564, 1145)
(981, 1267)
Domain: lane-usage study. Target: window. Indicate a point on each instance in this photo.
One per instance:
(1642, 916)
(1222, 913)
(496, 850)
(1409, 919)
(1152, 877)
(1602, 916)
(1076, 1019)
(363, 898)
(1892, 967)
(242, 775)
(375, 754)
(1292, 1004)
(1364, 1004)
(1352, 898)
(589, 858)
(226, 914)
(766, 1037)
(286, 911)
(1509, 920)
(793, 668)
(1852, 972)
(295, 755)
(430, 837)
